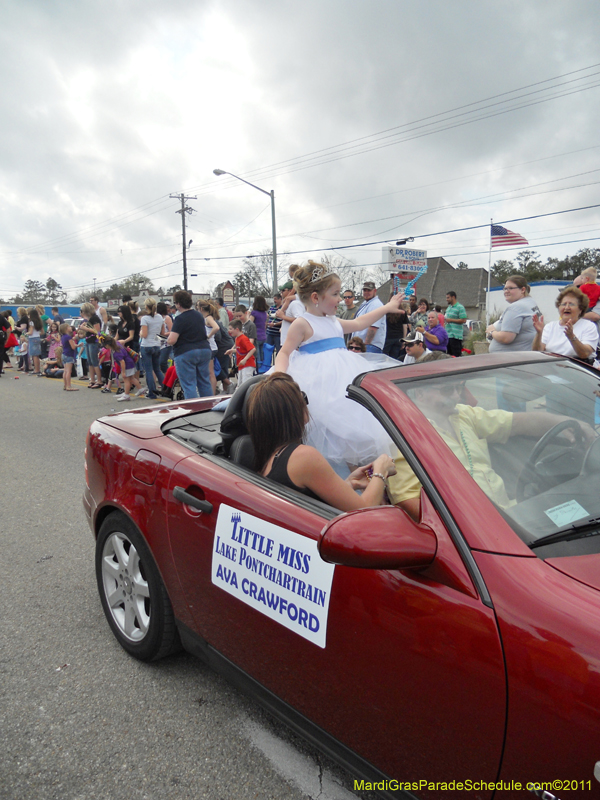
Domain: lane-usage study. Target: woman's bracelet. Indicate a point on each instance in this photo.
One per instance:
(379, 475)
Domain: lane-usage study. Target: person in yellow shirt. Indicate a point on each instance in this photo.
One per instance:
(467, 430)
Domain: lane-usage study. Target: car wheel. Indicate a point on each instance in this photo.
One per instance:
(132, 592)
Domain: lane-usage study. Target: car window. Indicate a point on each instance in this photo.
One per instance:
(528, 435)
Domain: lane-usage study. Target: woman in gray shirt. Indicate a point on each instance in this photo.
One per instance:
(514, 330)
(152, 325)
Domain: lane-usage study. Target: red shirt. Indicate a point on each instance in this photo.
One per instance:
(592, 290)
(243, 345)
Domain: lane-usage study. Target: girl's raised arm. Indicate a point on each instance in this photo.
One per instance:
(366, 320)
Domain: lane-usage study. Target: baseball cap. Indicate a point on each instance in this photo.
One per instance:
(286, 285)
(369, 285)
(416, 336)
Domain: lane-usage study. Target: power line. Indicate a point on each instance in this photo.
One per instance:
(342, 151)
(347, 149)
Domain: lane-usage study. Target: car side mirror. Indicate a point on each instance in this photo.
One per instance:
(378, 538)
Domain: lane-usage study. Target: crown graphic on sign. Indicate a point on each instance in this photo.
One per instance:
(236, 516)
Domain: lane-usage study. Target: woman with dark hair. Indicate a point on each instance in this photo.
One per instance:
(357, 345)
(260, 310)
(10, 340)
(419, 317)
(276, 418)
(395, 330)
(190, 347)
(4, 334)
(137, 325)
(126, 327)
(36, 328)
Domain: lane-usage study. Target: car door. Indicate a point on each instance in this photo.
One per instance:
(404, 667)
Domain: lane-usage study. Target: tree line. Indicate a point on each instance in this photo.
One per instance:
(530, 265)
(51, 292)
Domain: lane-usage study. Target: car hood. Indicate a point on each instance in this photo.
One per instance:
(585, 569)
(146, 423)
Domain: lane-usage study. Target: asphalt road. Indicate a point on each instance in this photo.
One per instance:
(79, 718)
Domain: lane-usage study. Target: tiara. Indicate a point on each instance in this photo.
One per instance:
(320, 272)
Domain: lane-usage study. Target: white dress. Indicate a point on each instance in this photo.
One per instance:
(339, 428)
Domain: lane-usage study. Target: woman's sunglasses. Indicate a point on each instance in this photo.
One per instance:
(354, 347)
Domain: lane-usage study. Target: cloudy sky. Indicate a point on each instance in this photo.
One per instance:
(371, 121)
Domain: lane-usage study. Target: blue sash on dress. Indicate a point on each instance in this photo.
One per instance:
(320, 346)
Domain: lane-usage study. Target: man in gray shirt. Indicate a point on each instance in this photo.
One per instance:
(373, 336)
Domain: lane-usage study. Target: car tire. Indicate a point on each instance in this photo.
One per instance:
(133, 595)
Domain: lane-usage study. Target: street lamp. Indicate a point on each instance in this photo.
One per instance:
(272, 196)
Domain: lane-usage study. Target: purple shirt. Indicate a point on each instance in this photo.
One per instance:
(260, 320)
(442, 335)
(66, 347)
(121, 354)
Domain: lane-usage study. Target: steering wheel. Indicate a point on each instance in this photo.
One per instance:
(531, 470)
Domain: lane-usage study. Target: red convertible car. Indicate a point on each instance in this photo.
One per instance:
(450, 652)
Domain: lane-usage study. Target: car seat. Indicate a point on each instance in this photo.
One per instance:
(236, 439)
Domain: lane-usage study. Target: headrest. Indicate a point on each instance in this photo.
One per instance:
(234, 419)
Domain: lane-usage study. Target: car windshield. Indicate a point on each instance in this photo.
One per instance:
(529, 436)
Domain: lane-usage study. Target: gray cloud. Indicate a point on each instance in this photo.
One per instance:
(107, 107)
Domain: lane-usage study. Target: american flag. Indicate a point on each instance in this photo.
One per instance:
(502, 237)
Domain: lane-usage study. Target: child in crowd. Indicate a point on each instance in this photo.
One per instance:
(53, 339)
(23, 354)
(53, 367)
(589, 286)
(114, 368)
(248, 327)
(244, 351)
(106, 363)
(127, 362)
(81, 355)
(68, 342)
(314, 354)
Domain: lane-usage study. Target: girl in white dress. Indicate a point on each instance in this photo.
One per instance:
(315, 355)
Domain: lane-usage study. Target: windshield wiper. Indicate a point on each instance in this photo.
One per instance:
(578, 530)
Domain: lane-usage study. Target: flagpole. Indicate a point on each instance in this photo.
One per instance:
(487, 299)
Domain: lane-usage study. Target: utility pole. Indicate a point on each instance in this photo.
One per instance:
(183, 211)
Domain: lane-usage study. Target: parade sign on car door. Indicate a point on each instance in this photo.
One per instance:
(272, 569)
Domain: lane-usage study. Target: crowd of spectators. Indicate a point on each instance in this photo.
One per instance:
(210, 343)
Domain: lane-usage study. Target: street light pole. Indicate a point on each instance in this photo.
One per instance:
(272, 196)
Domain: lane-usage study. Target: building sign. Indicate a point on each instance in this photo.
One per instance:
(405, 262)
(277, 572)
(228, 293)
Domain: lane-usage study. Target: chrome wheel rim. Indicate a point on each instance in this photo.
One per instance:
(125, 587)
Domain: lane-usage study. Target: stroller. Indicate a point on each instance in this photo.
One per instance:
(171, 387)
